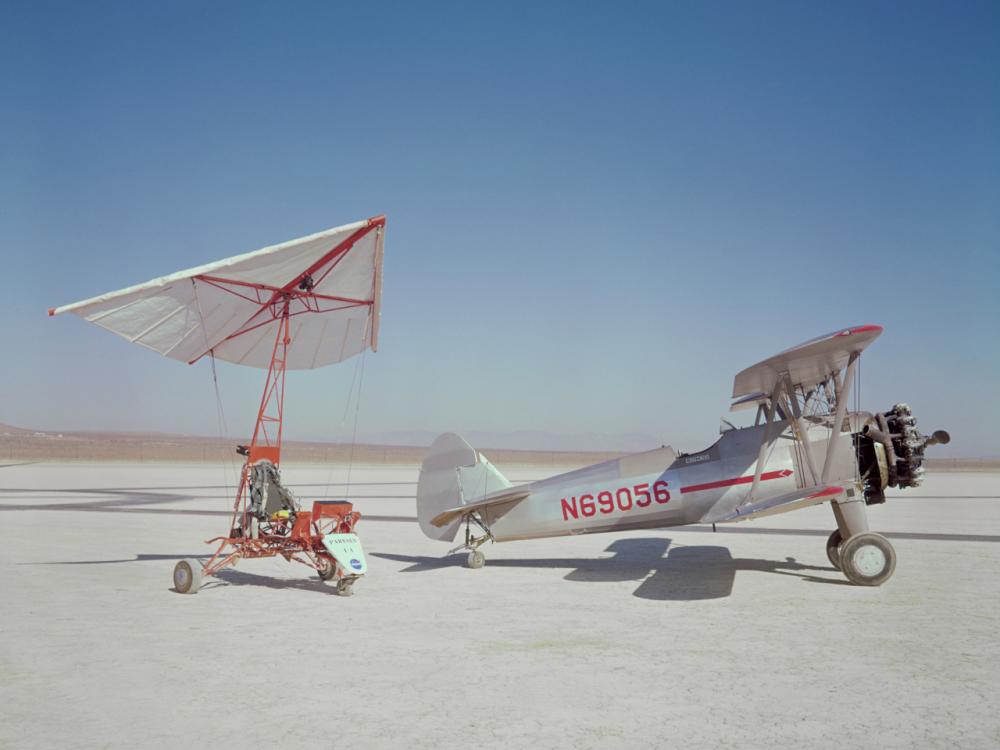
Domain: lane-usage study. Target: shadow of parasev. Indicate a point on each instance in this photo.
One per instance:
(664, 572)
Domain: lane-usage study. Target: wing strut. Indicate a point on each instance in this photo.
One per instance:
(764, 453)
(799, 427)
(842, 391)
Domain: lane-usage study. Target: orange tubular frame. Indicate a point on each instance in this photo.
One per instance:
(304, 541)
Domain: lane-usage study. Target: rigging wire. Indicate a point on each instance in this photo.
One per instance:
(342, 422)
(220, 413)
(357, 410)
(857, 411)
(356, 379)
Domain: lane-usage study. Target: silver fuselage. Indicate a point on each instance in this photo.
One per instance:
(659, 488)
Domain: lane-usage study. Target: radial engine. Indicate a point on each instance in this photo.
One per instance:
(890, 452)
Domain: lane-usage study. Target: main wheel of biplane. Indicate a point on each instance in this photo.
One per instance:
(327, 569)
(476, 559)
(833, 548)
(187, 576)
(867, 559)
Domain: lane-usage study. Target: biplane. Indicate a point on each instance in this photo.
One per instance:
(805, 447)
(303, 304)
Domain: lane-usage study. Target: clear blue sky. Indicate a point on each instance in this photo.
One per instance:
(598, 213)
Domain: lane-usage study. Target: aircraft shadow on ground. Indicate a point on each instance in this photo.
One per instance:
(137, 558)
(232, 577)
(664, 572)
(226, 577)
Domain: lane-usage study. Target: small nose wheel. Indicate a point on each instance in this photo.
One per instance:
(345, 587)
(476, 559)
(867, 559)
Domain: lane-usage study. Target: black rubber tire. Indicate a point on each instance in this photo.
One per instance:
(328, 569)
(187, 576)
(476, 559)
(858, 555)
(833, 548)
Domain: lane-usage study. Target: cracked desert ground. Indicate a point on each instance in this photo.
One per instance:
(679, 637)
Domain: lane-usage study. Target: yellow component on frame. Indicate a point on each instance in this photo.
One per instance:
(281, 515)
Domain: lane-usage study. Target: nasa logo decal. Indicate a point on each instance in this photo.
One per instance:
(356, 564)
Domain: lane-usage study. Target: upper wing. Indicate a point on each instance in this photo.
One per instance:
(806, 364)
(331, 282)
(794, 500)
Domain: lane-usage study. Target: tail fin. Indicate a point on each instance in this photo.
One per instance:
(454, 473)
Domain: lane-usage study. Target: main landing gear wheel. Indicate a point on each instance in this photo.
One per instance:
(187, 576)
(327, 569)
(867, 559)
(833, 548)
(476, 559)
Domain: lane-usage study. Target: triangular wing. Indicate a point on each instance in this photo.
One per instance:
(230, 308)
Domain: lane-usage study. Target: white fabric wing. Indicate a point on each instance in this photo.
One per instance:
(331, 282)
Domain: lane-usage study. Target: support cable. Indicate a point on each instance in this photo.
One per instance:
(357, 410)
(220, 413)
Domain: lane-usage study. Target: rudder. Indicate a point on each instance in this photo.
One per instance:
(453, 474)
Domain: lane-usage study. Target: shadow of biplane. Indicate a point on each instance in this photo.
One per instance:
(665, 573)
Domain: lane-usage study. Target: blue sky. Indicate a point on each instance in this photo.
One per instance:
(598, 213)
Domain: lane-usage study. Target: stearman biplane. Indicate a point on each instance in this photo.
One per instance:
(804, 448)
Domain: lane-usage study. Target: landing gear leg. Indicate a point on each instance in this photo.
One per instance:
(833, 548)
(476, 558)
(865, 558)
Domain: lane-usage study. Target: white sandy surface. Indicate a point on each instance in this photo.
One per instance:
(746, 638)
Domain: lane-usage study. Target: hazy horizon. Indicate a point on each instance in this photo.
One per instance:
(595, 218)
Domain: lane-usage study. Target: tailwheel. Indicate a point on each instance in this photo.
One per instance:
(187, 576)
(476, 559)
(867, 559)
(327, 568)
(833, 548)
(345, 587)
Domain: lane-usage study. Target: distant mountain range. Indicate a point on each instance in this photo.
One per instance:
(531, 440)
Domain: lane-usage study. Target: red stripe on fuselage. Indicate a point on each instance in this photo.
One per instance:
(738, 480)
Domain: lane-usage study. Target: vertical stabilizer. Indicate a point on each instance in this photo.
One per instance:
(453, 474)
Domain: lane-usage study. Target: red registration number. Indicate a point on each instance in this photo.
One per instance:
(621, 500)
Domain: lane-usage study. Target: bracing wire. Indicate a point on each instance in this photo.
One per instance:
(357, 411)
(343, 421)
(220, 414)
(356, 380)
(857, 411)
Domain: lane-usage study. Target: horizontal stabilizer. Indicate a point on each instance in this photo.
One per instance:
(781, 504)
(494, 501)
